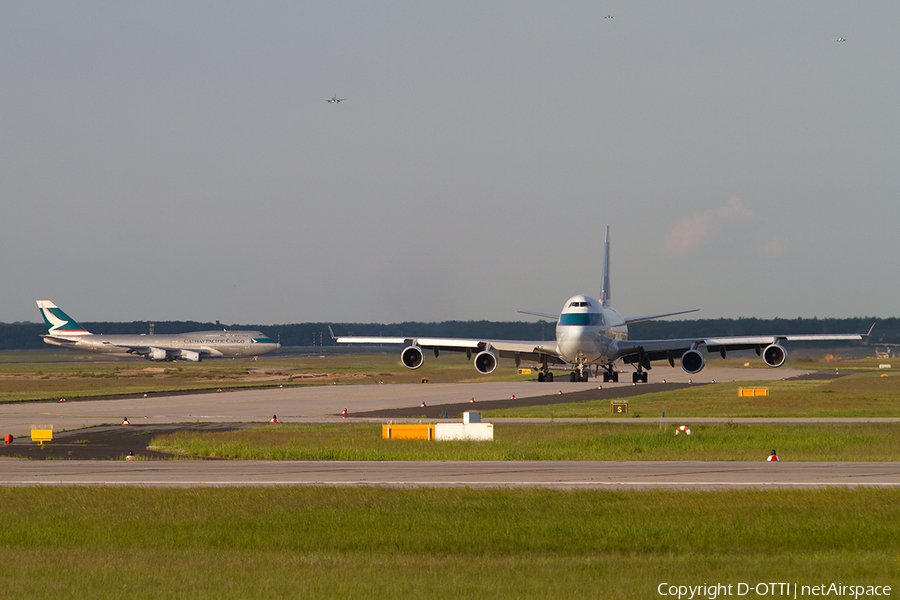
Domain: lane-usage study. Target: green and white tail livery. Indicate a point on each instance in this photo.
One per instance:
(59, 322)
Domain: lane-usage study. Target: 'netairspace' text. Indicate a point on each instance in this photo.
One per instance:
(787, 590)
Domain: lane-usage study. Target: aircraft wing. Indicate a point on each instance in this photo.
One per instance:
(671, 349)
(526, 350)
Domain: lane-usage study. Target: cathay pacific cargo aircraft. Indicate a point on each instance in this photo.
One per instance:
(64, 331)
(591, 334)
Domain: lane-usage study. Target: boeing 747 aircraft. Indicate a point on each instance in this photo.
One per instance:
(591, 334)
(64, 331)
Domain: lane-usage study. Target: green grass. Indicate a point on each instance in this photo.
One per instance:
(581, 441)
(50, 376)
(307, 542)
(857, 395)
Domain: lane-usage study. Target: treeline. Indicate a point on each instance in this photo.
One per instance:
(25, 336)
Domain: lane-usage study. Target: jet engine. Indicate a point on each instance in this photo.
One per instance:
(774, 355)
(190, 355)
(156, 354)
(693, 361)
(412, 357)
(485, 362)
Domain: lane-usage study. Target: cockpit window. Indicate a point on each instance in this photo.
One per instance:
(577, 304)
(581, 319)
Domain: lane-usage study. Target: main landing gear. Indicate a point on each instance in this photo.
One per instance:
(544, 374)
(641, 366)
(609, 375)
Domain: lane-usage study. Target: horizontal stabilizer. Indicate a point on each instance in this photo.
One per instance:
(59, 341)
(537, 314)
(631, 320)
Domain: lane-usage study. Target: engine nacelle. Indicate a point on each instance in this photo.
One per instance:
(485, 362)
(412, 357)
(774, 355)
(156, 354)
(190, 355)
(693, 361)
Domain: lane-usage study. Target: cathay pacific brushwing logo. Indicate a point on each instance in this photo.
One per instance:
(53, 322)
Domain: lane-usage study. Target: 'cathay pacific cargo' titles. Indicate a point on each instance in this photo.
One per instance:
(194, 346)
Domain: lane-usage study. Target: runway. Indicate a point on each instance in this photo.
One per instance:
(292, 404)
(317, 404)
(686, 475)
(325, 403)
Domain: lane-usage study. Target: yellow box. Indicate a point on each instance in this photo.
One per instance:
(524, 371)
(753, 392)
(407, 432)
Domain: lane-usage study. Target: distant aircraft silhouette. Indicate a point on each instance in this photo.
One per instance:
(610, 17)
(838, 40)
(334, 100)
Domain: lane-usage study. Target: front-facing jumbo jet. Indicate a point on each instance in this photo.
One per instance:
(591, 334)
(195, 346)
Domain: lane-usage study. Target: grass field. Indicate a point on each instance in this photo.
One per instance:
(436, 543)
(309, 542)
(869, 394)
(582, 441)
(46, 375)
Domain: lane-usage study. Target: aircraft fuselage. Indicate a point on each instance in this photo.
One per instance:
(219, 344)
(587, 331)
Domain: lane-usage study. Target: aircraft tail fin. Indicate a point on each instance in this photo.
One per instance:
(58, 322)
(604, 291)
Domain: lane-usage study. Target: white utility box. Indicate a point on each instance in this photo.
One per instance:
(464, 431)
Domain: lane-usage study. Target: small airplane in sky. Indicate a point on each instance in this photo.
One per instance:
(591, 335)
(62, 330)
(610, 17)
(838, 40)
(334, 100)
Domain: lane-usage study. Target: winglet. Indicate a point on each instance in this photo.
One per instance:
(870, 330)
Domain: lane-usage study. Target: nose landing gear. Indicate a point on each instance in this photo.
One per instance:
(581, 373)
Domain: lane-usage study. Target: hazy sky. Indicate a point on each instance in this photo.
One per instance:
(176, 160)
